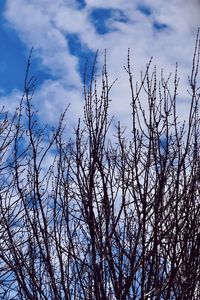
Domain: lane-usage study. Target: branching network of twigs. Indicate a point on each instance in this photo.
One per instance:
(85, 218)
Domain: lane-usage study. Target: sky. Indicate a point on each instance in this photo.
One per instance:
(67, 33)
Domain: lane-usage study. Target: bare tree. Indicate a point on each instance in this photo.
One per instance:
(105, 220)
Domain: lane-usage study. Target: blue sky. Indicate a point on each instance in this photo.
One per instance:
(65, 34)
(13, 58)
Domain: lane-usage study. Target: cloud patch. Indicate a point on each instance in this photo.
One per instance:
(65, 33)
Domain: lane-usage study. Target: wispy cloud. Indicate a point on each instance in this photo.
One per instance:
(65, 33)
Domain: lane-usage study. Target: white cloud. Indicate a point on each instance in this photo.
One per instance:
(36, 29)
(53, 98)
(11, 101)
(45, 24)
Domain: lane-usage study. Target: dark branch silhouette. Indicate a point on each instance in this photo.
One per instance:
(94, 219)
